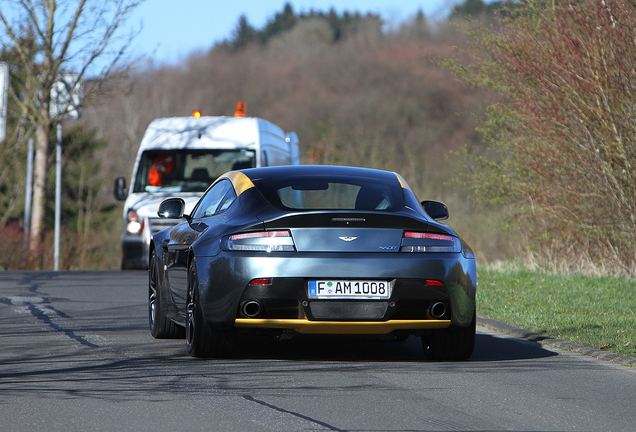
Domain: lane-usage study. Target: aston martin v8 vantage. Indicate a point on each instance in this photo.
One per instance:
(311, 249)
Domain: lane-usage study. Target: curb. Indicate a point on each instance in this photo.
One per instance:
(568, 346)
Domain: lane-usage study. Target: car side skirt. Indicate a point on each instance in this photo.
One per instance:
(341, 327)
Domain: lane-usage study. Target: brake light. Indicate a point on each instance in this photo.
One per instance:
(263, 241)
(429, 242)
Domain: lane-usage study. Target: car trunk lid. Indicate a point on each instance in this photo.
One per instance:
(346, 232)
(347, 239)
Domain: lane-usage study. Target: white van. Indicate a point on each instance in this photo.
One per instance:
(182, 156)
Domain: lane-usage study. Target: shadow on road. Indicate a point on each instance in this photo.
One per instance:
(355, 348)
(162, 368)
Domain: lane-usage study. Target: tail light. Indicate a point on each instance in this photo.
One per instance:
(262, 241)
(429, 242)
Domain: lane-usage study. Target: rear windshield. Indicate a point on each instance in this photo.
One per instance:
(187, 170)
(332, 193)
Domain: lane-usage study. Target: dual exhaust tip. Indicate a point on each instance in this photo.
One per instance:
(437, 310)
(252, 309)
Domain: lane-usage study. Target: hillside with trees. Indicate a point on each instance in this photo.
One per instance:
(354, 94)
(359, 94)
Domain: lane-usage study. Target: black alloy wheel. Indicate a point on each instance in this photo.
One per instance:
(160, 326)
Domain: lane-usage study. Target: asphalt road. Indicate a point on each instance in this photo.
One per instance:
(76, 355)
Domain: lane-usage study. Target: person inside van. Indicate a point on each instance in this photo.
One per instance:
(162, 164)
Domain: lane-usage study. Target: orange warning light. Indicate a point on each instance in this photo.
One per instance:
(196, 114)
(239, 110)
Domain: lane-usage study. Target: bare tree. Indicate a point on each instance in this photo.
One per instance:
(54, 36)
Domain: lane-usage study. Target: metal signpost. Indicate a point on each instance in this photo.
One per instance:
(4, 91)
(28, 192)
(66, 97)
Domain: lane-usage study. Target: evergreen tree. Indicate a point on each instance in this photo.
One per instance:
(282, 22)
(82, 210)
(243, 34)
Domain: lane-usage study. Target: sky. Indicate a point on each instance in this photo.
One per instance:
(172, 29)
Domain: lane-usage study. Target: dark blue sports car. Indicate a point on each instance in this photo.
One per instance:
(311, 249)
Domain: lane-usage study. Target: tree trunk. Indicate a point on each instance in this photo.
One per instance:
(39, 185)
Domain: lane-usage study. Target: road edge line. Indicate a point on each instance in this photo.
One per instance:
(558, 343)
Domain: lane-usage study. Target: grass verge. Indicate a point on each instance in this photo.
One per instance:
(598, 312)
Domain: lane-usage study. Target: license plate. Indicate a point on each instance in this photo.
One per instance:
(349, 289)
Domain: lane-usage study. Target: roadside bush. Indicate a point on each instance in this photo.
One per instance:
(562, 131)
(95, 251)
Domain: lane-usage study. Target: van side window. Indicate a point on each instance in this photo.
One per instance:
(216, 200)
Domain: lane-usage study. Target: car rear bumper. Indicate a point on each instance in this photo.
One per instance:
(225, 287)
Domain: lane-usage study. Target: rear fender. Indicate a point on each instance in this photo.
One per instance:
(219, 298)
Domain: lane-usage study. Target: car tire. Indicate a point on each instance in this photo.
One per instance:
(161, 327)
(454, 343)
(202, 340)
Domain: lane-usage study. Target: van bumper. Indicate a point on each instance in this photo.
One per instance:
(134, 255)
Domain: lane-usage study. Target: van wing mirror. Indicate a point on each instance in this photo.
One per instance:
(120, 191)
(436, 210)
(172, 208)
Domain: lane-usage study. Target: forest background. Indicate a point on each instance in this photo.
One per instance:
(355, 93)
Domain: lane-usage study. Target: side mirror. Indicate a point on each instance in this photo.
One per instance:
(172, 208)
(120, 192)
(436, 210)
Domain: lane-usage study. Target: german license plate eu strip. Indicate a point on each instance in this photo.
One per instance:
(349, 289)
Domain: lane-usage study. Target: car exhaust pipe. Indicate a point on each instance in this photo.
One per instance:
(438, 310)
(251, 308)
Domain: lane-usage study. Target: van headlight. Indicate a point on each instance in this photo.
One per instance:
(134, 226)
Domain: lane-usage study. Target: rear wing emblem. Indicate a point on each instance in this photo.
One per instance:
(347, 238)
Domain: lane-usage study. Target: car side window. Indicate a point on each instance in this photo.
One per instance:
(227, 201)
(217, 199)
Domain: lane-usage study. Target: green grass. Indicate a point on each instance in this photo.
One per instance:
(598, 312)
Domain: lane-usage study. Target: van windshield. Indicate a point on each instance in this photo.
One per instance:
(187, 170)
